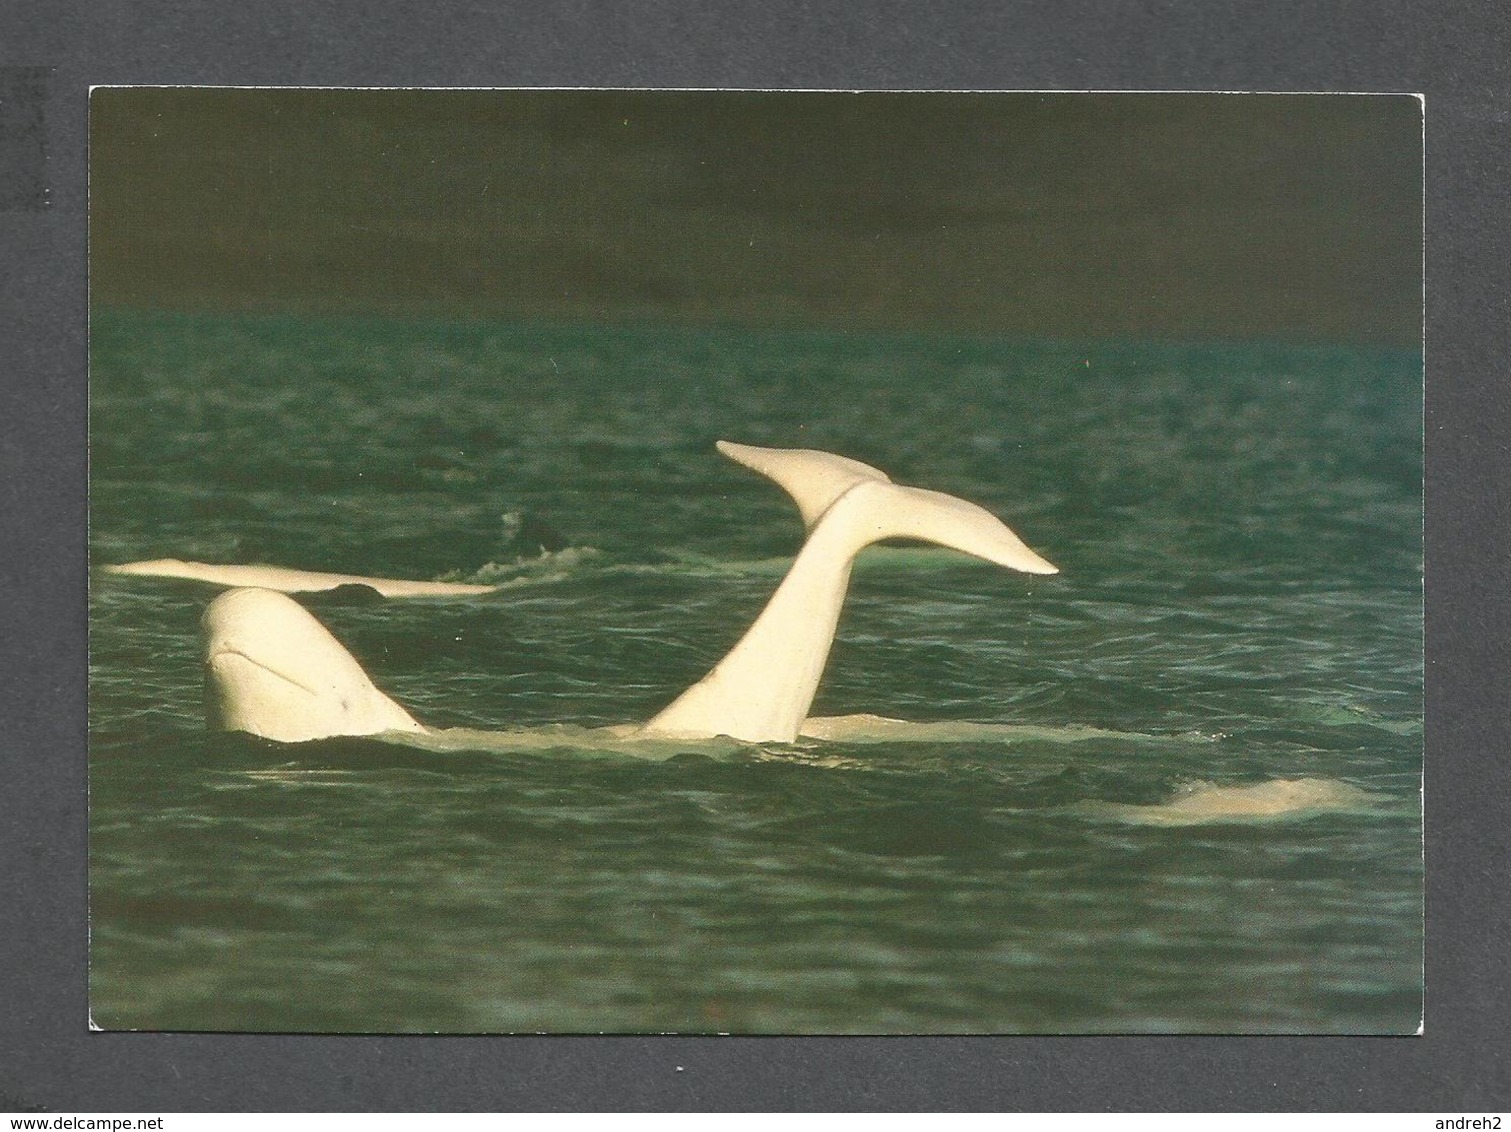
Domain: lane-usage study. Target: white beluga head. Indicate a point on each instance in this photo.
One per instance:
(273, 671)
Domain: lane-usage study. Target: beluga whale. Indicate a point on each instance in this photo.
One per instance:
(272, 670)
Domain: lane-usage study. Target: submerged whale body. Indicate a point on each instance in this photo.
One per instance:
(267, 658)
(1202, 803)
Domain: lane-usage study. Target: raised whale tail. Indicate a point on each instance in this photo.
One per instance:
(763, 688)
(273, 671)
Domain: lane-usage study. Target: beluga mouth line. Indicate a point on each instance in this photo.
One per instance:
(759, 692)
(237, 654)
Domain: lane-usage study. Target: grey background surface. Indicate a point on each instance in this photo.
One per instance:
(1456, 55)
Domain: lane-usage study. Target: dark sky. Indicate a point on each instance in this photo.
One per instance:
(1168, 216)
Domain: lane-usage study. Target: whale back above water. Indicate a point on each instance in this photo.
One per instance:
(286, 580)
(814, 479)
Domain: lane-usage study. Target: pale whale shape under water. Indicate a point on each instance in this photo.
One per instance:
(1204, 803)
(273, 670)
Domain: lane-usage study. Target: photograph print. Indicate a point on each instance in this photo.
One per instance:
(755, 562)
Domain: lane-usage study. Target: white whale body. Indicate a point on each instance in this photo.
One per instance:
(762, 689)
(272, 670)
(286, 580)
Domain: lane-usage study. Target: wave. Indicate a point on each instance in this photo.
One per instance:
(576, 562)
(544, 568)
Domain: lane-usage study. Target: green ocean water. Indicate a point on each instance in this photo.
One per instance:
(1238, 529)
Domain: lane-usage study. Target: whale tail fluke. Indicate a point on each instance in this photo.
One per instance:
(818, 480)
(273, 671)
(814, 479)
(894, 511)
